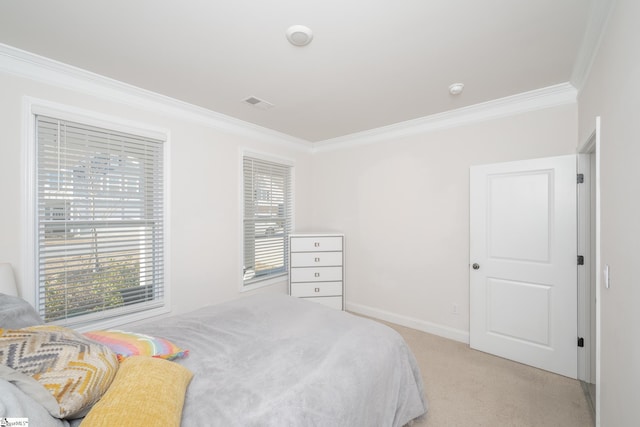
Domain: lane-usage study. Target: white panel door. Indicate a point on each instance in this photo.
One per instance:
(523, 272)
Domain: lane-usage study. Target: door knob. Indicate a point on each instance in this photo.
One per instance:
(476, 266)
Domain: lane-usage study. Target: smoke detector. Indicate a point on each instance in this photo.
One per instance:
(456, 88)
(299, 35)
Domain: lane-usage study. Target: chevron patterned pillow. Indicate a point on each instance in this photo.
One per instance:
(55, 362)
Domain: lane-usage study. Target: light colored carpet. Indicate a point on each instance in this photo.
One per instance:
(469, 388)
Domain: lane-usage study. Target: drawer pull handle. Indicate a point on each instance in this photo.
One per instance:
(316, 274)
(316, 259)
(317, 289)
(316, 244)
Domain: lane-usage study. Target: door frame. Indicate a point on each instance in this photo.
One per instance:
(591, 147)
(585, 291)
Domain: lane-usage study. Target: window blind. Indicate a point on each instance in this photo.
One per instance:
(100, 210)
(268, 218)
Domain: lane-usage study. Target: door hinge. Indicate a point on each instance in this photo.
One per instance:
(580, 178)
(580, 342)
(580, 260)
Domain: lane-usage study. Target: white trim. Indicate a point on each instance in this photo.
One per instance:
(598, 269)
(591, 40)
(410, 322)
(32, 106)
(551, 96)
(38, 68)
(28, 288)
(75, 114)
(282, 278)
(28, 65)
(266, 156)
(114, 322)
(240, 230)
(168, 307)
(584, 204)
(592, 146)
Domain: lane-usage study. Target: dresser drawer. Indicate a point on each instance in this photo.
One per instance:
(316, 274)
(316, 244)
(319, 289)
(316, 259)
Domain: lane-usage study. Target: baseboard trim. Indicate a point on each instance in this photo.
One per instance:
(410, 322)
(590, 399)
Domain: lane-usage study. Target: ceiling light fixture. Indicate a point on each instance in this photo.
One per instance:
(299, 35)
(456, 88)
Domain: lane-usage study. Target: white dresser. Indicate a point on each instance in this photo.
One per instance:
(316, 268)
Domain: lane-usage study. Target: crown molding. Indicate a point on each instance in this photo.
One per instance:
(561, 94)
(38, 68)
(596, 26)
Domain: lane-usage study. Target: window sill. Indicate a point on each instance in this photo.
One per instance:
(264, 282)
(115, 321)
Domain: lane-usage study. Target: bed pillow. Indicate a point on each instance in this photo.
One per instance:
(14, 403)
(16, 313)
(126, 344)
(58, 367)
(146, 391)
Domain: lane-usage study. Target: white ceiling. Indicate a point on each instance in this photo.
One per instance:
(372, 63)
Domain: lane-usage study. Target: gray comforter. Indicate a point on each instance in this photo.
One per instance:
(273, 360)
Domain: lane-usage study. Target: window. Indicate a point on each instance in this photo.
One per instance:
(268, 218)
(99, 221)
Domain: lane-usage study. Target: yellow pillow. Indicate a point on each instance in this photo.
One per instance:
(146, 391)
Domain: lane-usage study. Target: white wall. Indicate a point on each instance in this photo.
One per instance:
(402, 203)
(404, 207)
(204, 188)
(612, 91)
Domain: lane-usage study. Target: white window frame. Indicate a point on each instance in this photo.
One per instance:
(33, 107)
(282, 277)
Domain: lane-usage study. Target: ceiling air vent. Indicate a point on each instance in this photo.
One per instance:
(258, 103)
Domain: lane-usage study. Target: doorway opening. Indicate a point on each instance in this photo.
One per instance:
(588, 280)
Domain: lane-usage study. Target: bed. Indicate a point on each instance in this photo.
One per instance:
(274, 360)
